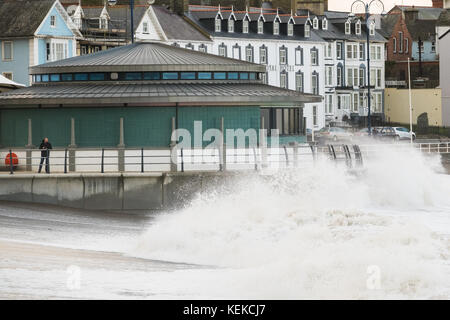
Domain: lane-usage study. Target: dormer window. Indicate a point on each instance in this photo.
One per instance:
(230, 25)
(276, 28)
(103, 23)
(372, 28)
(348, 27)
(325, 24)
(260, 26)
(307, 30)
(358, 27)
(245, 26)
(218, 24)
(290, 29)
(315, 23)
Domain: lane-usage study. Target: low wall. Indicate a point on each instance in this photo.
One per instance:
(109, 191)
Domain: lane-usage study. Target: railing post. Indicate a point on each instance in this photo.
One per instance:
(65, 160)
(29, 146)
(103, 161)
(182, 161)
(11, 167)
(142, 160)
(286, 156)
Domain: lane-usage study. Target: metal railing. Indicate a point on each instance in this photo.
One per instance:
(149, 160)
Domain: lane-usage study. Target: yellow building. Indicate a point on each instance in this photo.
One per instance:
(423, 101)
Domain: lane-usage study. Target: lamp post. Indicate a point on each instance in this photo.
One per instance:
(367, 7)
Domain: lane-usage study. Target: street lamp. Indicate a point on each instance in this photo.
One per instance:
(367, 7)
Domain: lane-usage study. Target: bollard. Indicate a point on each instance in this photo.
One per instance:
(142, 160)
(286, 156)
(103, 161)
(11, 167)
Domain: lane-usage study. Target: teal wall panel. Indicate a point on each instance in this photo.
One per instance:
(99, 127)
(234, 118)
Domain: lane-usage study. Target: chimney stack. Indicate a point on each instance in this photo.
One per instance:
(438, 3)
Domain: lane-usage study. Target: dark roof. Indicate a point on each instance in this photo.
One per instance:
(424, 13)
(336, 30)
(444, 19)
(147, 56)
(211, 93)
(21, 18)
(175, 27)
(423, 29)
(388, 23)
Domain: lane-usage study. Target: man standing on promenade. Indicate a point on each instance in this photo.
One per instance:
(45, 155)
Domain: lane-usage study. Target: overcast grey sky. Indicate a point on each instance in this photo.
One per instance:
(344, 5)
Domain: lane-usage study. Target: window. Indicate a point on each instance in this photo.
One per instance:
(103, 23)
(329, 103)
(260, 26)
(290, 30)
(299, 81)
(283, 80)
(145, 27)
(283, 55)
(218, 24)
(170, 76)
(245, 26)
(77, 22)
(394, 45)
(329, 76)
(315, 83)
(358, 27)
(339, 76)
(378, 49)
(231, 25)
(243, 76)
(53, 21)
(237, 52)
(222, 50)
(7, 51)
(315, 23)
(57, 50)
(315, 115)
(433, 46)
(263, 55)
(372, 53)
(131, 76)
(379, 78)
(287, 121)
(348, 29)
(276, 28)
(407, 45)
(314, 57)
(352, 51)
(377, 101)
(153, 76)
(329, 50)
(352, 77)
(339, 50)
(361, 51)
(372, 28)
(8, 75)
(190, 46)
(373, 77)
(362, 77)
(307, 30)
(249, 54)
(325, 24)
(299, 56)
(400, 36)
(355, 102)
(202, 48)
(204, 76)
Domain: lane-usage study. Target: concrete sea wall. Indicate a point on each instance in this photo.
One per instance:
(109, 191)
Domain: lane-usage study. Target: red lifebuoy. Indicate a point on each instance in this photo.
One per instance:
(15, 159)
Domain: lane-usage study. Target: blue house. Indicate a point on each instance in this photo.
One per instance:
(33, 32)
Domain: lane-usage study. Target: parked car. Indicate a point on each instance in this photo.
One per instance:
(384, 133)
(404, 133)
(334, 134)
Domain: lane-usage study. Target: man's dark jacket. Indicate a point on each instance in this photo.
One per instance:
(46, 146)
